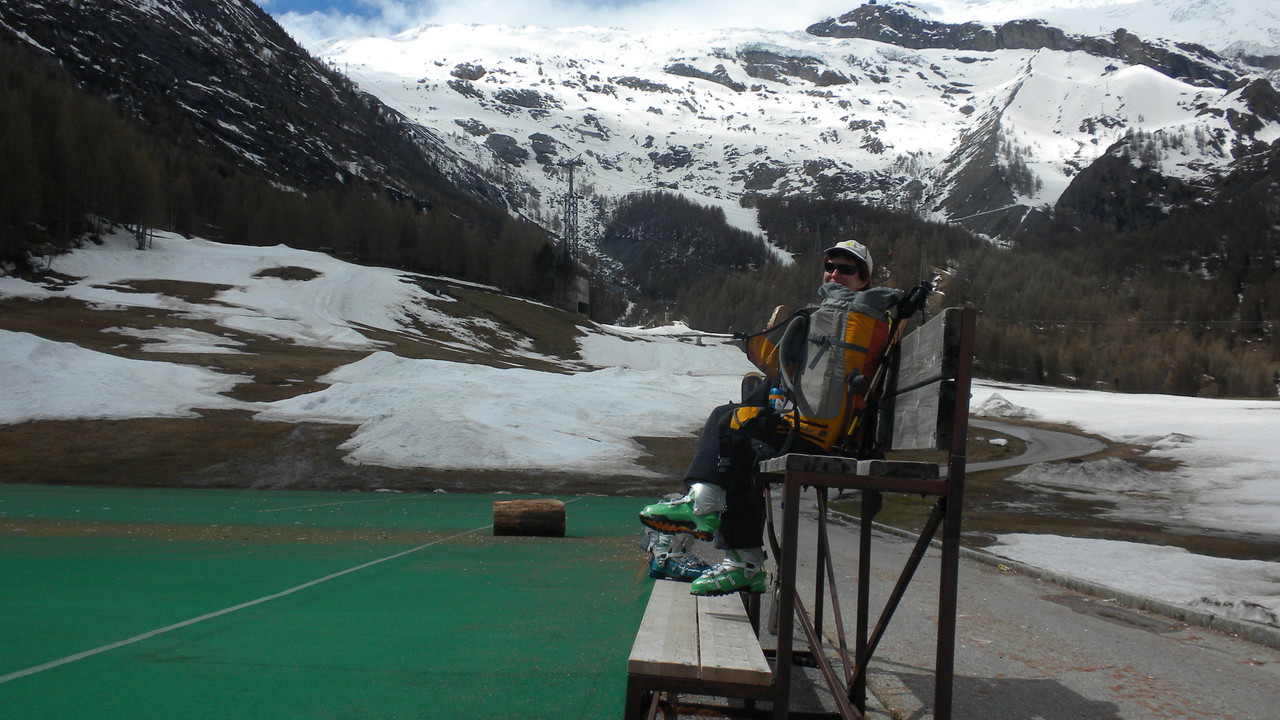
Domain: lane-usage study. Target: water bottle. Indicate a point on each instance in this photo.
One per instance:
(777, 399)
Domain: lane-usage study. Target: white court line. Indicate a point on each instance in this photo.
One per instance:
(225, 611)
(344, 502)
(186, 623)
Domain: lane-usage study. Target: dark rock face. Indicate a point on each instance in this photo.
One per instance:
(1261, 98)
(643, 85)
(591, 126)
(468, 71)
(979, 187)
(778, 68)
(895, 25)
(720, 75)
(761, 176)
(474, 127)
(526, 98)
(977, 192)
(674, 158)
(545, 148)
(507, 149)
(1116, 193)
(224, 75)
(466, 89)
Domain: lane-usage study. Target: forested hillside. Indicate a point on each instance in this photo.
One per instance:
(70, 156)
(1186, 306)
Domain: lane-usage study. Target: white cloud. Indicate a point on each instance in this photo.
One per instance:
(387, 17)
(1247, 24)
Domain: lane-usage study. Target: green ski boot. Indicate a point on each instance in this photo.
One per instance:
(697, 513)
(741, 570)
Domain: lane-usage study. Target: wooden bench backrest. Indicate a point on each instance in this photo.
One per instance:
(919, 410)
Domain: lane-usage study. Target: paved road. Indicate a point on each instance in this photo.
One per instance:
(1042, 445)
(1027, 649)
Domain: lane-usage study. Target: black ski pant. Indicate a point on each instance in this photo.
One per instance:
(728, 458)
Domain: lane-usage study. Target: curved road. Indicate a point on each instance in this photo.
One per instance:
(1042, 445)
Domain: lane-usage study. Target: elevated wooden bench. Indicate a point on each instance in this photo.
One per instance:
(703, 645)
(706, 646)
(924, 408)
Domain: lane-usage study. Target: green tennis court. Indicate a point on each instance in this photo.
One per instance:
(171, 603)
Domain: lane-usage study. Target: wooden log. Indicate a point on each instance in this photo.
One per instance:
(533, 517)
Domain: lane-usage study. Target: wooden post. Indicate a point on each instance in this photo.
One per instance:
(541, 518)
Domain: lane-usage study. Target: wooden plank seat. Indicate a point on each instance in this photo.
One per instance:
(699, 645)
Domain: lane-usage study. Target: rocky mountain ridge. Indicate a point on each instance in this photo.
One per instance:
(902, 25)
(225, 76)
(986, 127)
(983, 126)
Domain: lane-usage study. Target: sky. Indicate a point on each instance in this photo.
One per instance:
(1251, 26)
(329, 18)
(629, 383)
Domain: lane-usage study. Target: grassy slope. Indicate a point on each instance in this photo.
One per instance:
(230, 449)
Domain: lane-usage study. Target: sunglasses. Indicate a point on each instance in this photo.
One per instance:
(844, 268)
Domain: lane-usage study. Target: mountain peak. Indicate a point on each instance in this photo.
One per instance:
(908, 26)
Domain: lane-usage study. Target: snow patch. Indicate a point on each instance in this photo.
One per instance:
(1111, 475)
(1242, 589)
(47, 380)
(997, 406)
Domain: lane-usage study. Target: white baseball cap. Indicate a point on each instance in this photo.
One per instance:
(854, 248)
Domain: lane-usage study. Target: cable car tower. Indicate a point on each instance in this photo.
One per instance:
(570, 200)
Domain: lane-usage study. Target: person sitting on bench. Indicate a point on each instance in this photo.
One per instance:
(721, 500)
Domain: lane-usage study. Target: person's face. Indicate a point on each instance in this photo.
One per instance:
(843, 269)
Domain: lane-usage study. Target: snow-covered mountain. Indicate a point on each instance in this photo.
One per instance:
(987, 124)
(982, 124)
(1245, 29)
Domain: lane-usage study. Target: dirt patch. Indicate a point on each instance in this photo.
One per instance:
(190, 291)
(229, 449)
(511, 327)
(276, 370)
(290, 272)
(989, 445)
(64, 320)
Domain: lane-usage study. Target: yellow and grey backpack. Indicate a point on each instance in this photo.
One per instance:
(822, 358)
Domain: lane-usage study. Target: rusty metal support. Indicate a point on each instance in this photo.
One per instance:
(819, 565)
(872, 501)
(786, 597)
(948, 583)
(843, 706)
(836, 614)
(900, 588)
